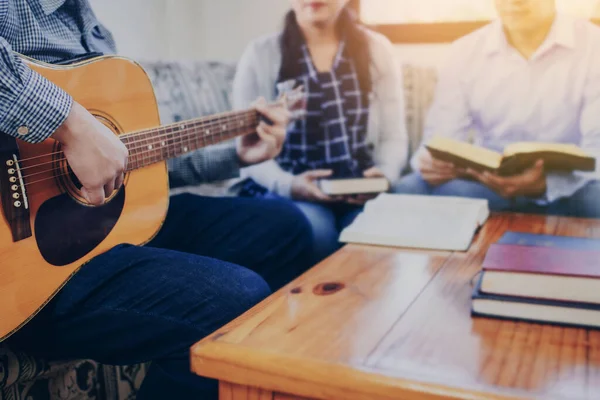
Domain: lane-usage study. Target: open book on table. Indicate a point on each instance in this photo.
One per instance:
(414, 221)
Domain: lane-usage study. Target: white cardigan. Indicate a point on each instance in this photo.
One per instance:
(257, 74)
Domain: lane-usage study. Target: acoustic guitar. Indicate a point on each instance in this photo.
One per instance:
(48, 230)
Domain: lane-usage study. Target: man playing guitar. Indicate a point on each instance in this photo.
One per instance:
(135, 304)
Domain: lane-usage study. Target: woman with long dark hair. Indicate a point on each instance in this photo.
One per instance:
(354, 124)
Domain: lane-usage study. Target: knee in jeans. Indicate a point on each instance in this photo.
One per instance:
(291, 220)
(411, 184)
(243, 294)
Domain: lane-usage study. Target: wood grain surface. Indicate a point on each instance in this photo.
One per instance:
(382, 323)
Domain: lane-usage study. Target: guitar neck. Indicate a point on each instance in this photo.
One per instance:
(159, 144)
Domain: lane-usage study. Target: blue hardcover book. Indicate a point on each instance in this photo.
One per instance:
(537, 240)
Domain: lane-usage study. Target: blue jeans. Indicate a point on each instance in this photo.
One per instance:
(327, 221)
(585, 203)
(138, 304)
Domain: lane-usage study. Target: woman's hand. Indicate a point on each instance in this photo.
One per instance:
(304, 186)
(266, 143)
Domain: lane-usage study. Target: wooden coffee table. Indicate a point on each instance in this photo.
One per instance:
(382, 323)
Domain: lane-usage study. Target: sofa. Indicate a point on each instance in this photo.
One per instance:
(184, 90)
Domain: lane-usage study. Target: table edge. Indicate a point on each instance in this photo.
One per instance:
(300, 376)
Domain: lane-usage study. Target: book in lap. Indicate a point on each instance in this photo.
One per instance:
(415, 221)
(335, 187)
(516, 157)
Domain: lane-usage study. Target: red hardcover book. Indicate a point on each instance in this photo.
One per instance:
(542, 272)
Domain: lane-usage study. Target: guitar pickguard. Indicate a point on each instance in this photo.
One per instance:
(66, 230)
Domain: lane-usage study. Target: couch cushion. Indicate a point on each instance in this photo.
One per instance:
(190, 89)
(16, 366)
(419, 90)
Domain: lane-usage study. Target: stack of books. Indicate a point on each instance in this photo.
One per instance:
(541, 278)
(421, 222)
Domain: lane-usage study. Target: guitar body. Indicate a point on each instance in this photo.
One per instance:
(65, 232)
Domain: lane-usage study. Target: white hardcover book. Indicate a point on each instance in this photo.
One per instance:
(423, 222)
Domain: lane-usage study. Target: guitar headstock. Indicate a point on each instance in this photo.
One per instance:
(292, 98)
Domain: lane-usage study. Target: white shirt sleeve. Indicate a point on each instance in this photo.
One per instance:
(246, 89)
(566, 184)
(391, 151)
(449, 115)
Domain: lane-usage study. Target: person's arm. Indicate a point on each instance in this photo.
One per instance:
(392, 150)
(225, 161)
(449, 115)
(560, 185)
(270, 175)
(545, 188)
(33, 108)
(211, 164)
(246, 89)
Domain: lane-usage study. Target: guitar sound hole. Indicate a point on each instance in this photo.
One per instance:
(73, 178)
(69, 182)
(64, 175)
(73, 186)
(67, 179)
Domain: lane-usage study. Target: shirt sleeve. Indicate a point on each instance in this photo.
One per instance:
(391, 152)
(31, 107)
(245, 90)
(449, 115)
(211, 164)
(563, 184)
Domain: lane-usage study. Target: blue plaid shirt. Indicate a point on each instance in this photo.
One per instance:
(333, 134)
(31, 107)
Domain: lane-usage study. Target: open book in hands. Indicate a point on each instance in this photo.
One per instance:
(516, 157)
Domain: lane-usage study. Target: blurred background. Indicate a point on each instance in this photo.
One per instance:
(152, 30)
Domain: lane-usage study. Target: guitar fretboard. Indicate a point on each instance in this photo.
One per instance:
(159, 144)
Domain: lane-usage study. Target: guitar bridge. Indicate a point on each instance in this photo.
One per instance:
(15, 204)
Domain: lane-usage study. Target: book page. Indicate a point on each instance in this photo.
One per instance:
(534, 147)
(417, 222)
(476, 154)
(392, 203)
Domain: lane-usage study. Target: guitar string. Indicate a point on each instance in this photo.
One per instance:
(197, 124)
(168, 143)
(136, 135)
(169, 147)
(192, 134)
(56, 175)
(293, 96)
(46, 179)
(66, 173)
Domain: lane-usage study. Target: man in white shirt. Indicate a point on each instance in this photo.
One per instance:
(532, 75)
